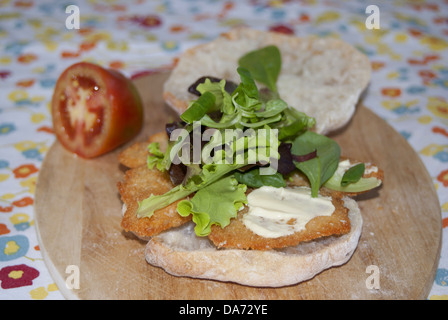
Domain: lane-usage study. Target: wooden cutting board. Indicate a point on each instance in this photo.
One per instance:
(78, 213)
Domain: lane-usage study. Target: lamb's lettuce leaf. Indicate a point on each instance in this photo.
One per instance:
(353, 174)
(246, 96)
(322, 167)
(264, 64)
(254, 179)
(360, 185)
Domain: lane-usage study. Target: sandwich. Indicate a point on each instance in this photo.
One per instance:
(246, 186)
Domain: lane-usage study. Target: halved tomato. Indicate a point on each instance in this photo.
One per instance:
(95, 110)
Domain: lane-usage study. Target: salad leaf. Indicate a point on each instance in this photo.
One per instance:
(272, 108)
(253, 179)
(246, 95)
(247, 85)
(363, 184)
(215, 204)
(353, 174)
(244, 108)
(223, 100)
(198, 108)
(248, 147)
(264, 64)
(210, 173)
(295, 123)
(323, 166)
(156, 158)
(226, 122)
(229, 85)
(260, 123)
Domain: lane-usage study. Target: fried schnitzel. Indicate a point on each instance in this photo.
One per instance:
(139, 183)
(237, 236)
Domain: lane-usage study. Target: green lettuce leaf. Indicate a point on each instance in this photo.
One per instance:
(246, 96)
(353, 174)
(272, 108)
(363, 184)
(247, 85)
(215, 204)
(254, 179)
(156, 158)
(223, 100)
(198, 108)
(360, 185)
(261, 147)
(209, 174)
(294, 123)
(323, 166)
(265, 65)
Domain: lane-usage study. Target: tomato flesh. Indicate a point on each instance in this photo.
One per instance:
(81, 111)
(95, 110)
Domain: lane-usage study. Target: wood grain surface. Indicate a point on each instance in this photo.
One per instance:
(78, 214)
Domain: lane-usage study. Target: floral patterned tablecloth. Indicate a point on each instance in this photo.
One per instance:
(409, 87)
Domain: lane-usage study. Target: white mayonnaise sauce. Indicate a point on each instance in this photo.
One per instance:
(370, 169)
(276, 212)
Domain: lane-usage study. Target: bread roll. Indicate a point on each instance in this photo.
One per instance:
(181, 253)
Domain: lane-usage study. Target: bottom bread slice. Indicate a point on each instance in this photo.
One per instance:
(181, 253)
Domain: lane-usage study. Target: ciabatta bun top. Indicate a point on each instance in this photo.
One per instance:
(323, 77)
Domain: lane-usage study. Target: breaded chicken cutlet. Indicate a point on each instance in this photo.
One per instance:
(237, 236)
(139, 183)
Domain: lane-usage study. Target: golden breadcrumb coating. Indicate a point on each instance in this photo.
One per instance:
(139, 183)
(237, 236)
